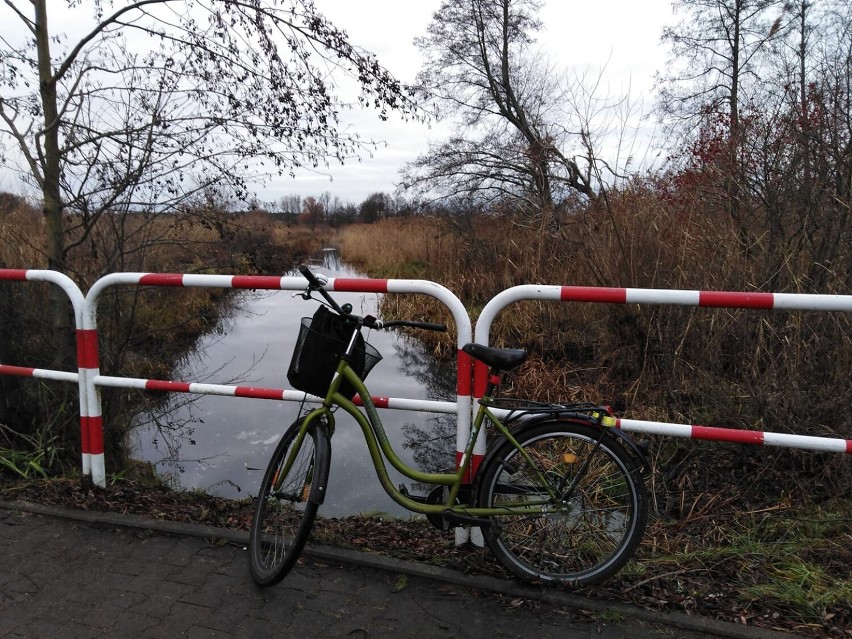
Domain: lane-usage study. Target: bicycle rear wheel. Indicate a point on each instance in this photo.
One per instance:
(292, 489)
(588, 533)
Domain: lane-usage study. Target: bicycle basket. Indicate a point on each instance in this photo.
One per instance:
(323, 338)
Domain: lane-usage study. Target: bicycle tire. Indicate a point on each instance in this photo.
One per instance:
(283, 516)
(600, 523)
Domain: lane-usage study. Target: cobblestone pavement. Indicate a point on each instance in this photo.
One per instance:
(66, 578)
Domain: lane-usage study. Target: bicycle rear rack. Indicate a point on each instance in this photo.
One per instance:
(518, 408)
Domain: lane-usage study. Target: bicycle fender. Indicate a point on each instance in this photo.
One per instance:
(637, 449)
(323, 457)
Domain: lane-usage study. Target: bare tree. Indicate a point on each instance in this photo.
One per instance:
(767, 86)
(811, 141)
(511, 144)
(714, 52)
(291, 206)
(227, 91)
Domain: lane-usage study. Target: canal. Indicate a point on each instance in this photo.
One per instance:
(221, 445)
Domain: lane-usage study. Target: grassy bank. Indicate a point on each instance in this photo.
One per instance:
(778, 370)
(769, 529)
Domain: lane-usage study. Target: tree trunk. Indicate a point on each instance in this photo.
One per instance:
(51, 192)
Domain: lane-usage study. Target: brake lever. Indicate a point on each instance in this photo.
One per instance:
(321, 281)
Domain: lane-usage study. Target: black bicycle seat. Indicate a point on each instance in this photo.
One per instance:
(504, 359)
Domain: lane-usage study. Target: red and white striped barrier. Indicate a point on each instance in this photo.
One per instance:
(89, 441)
(40, 373)
(738, 436)
(461, 407)
(257, 392)
(709, 299)
(471, 379)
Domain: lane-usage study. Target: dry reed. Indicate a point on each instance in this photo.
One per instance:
(782, 371)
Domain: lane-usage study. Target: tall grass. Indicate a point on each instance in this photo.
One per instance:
(767, 370)
(143, 332)
(723, 511)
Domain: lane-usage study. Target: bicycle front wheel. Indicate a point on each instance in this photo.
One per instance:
(581, 507)
(292, 489)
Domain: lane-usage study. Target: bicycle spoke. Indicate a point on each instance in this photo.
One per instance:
(582, 536)
(284, 511)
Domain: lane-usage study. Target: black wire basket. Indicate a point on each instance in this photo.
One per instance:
(321, 343)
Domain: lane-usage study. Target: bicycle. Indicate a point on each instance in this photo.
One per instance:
(559, 496)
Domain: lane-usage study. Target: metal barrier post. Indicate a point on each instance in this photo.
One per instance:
(88, 446)
(354, 285)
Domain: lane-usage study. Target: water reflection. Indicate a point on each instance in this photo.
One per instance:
(222, 444)
(432, 441)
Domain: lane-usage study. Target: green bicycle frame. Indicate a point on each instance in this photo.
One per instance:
(380, 449)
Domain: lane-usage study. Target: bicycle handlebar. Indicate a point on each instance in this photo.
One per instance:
(315, 284)
(426, 326)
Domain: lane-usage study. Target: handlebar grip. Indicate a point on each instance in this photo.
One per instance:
(428, 326)
(312, 279)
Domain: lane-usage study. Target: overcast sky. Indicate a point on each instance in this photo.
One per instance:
(623, 35)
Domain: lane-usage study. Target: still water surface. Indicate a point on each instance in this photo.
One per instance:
(224, 443)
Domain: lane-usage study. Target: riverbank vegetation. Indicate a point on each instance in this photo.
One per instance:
(780, 369)
(144, 332)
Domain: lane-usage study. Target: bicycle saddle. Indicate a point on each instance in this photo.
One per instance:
(504, 359)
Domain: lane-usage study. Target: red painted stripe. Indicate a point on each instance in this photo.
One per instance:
(475, 462)
(84, 434)
(17, 274)
(480, 378)
(87, 349)
(162, 385)
(353, 285)
(727, 435)
(849, 446)
(20, 371)
(730, 299)
(162, 279)
(256, 281)
(593, 294)
(379, 401)
(96, 435)
(464, 373)
(258, 393)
